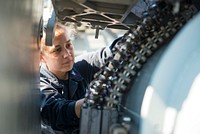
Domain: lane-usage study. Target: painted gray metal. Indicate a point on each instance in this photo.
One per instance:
(19, 66)
(171, 100)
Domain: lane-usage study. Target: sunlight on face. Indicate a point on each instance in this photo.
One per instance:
(59, 57)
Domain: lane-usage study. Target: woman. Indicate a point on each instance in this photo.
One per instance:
(63, 82)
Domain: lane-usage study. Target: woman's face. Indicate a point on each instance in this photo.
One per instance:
(59, 57)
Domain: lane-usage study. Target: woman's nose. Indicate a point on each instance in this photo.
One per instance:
(67, 52)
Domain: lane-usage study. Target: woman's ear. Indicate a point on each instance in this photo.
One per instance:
(42, 58)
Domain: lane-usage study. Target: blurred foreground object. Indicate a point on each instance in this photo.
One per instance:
(19, 66)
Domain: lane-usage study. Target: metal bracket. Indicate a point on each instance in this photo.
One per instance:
(50, 29)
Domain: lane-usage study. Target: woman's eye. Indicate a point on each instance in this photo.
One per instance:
(57, 50)
(68, 45)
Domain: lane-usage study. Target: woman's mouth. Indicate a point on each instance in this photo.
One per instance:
(67, 62)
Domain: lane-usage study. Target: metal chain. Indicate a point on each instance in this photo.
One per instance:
(130, 53)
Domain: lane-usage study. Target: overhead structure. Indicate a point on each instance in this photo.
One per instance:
(97, 13)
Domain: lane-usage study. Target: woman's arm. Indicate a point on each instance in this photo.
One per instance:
(78, 106)
(97, 58)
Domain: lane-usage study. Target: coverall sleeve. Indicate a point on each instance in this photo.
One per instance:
(54, 107)
(97, 58)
